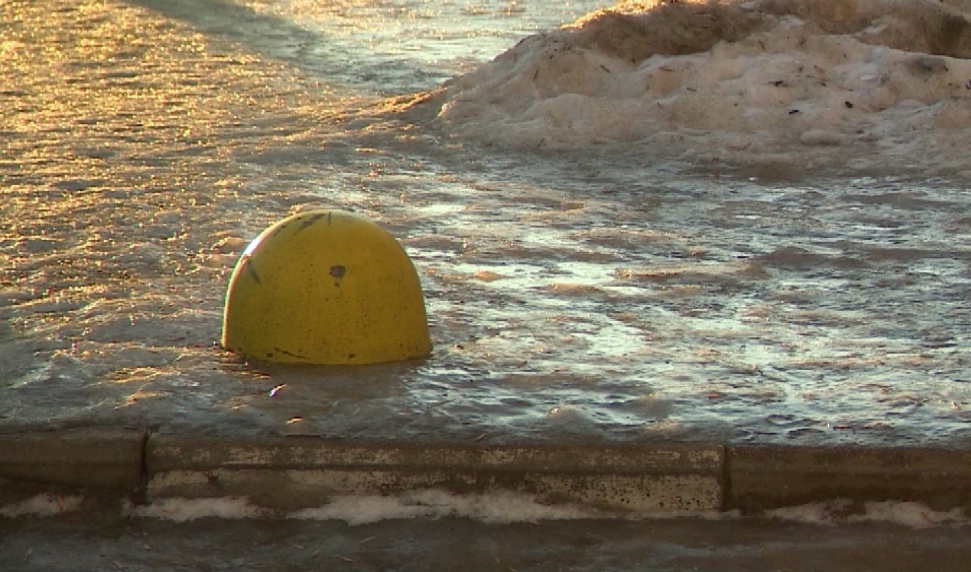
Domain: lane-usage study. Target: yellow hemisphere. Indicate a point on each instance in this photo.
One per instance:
(325, 287)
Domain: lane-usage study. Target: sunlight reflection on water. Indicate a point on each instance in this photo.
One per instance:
(567, 295)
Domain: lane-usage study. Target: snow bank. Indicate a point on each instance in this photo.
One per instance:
(910, 514)
(496, 507)
(44, 504)
(505, 507)
(857, 83)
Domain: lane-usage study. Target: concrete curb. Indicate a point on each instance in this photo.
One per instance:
(766, 477)
(98, 459)
(297, 472)
(304, 472)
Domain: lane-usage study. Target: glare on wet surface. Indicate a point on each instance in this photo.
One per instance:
(595, 296)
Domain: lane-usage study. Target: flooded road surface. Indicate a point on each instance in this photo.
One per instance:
(605, 294)
(93, 542)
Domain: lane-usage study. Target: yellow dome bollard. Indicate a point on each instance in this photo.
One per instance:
(325, 287)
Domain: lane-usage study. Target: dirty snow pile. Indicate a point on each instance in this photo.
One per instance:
(857, 83)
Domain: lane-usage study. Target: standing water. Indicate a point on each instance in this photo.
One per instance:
(742, 221)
